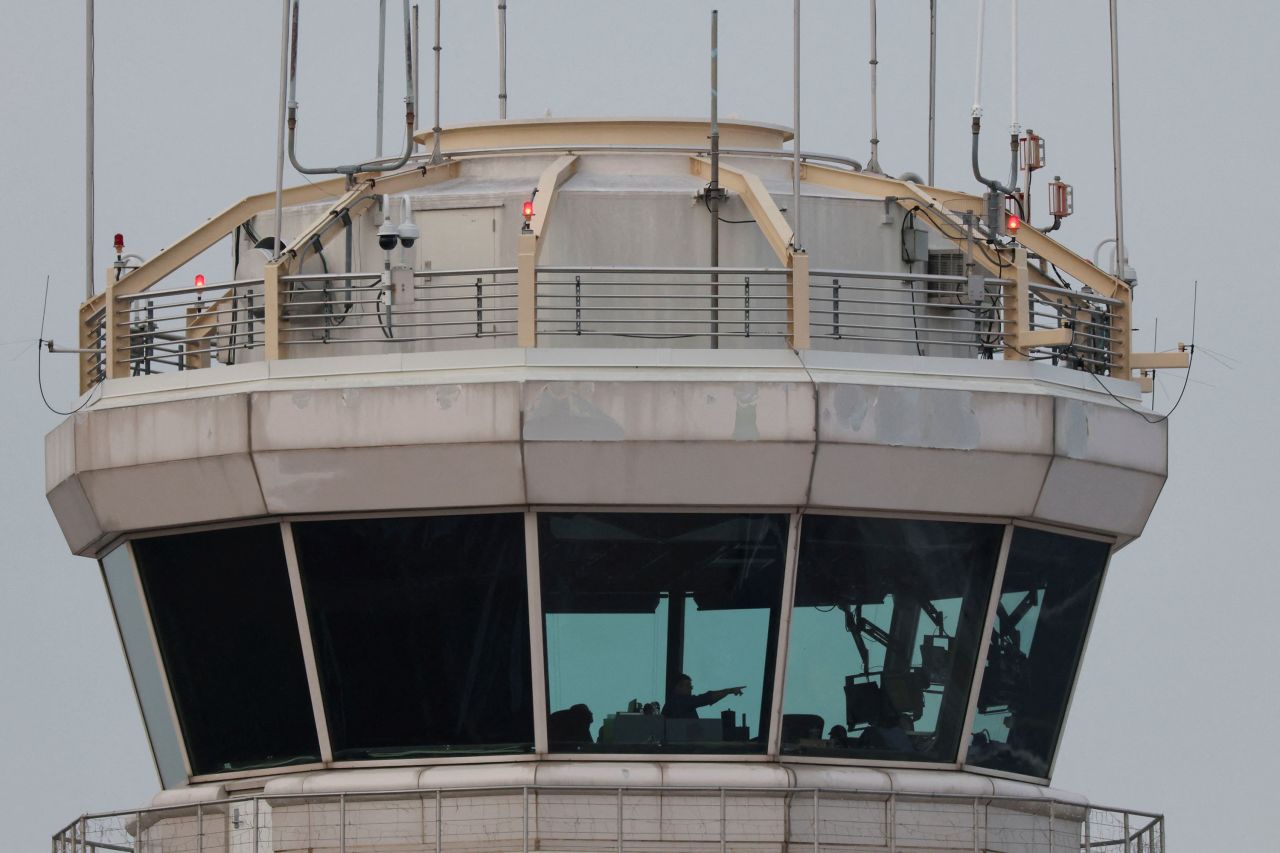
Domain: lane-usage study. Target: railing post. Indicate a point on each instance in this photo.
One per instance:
(1122, 335)
(525, 795)
(137, 832)
(1087, 827)
(722, 822)
(798, 300)
(257, 824)
(115, 346)
(190, 359)
(619, 820)
(273, 309)
(977, 846)
(1127, 847)
(527, 291)
(816, 834)
(891, 821)
(342, 823)
(439, 821)
(1051, 816)
(1017, 308)
(199, 827)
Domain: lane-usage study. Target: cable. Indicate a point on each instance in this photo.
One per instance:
(44, 308)
(706, 201)
(1191, 350)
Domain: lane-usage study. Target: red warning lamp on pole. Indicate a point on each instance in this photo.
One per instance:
(1014, 223)
(527, 210)
(119, 243)
(199, 281)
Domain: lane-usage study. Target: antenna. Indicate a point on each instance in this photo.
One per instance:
(713, 190)
(88, 152)
(435, 128)
(382, 69)
(284, 77)
(795, 104)
(933, 80)
(502, 59)
(873, 165)
(1122, 260)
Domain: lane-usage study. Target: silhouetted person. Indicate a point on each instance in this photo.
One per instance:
(572, 725)
(839, 736)
(683, 704)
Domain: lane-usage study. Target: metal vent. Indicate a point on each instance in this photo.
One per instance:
(946, 263)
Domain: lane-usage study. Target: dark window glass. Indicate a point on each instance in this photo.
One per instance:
(1050, 586)
(884, 636)
(633, 602)
(421, 630)
(223, 614)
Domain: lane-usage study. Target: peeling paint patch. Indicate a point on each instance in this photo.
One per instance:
(850, 405)
(1075, 430)
(745, 426)
(915, 417)
(564, 411)
(447, 395)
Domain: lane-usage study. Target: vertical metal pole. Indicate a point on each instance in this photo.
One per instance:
(137, 833)
(200, 828)
(502, 59)
(620, 821)
(933, 81)
(713, 191)
(525, 794)
(1051, 817)
(873, 165)
(795, 108)
(891, 819)
(439, 821)
(284, 72)
(342, 823)
(977, 848)
(417, 66)
(435, 128)
(257, 826)
(1121, 258)
(382, 69)
(723, 831)
(83, 834)
(88, 153)
(816, 834)
(1086, 845)
(1126, 832)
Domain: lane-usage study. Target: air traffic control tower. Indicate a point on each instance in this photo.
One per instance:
(492, 512)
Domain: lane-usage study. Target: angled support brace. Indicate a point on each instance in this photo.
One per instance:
(530, 246)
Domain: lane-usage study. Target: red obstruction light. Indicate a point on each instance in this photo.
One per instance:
(119, 243)
(1014, 223)
(199, 281)
(528, 210)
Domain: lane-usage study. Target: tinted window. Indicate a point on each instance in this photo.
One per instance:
(421, 631)
(884, 637)
(148, 680)
(632, 602)
(224, 619)
(1050, 586)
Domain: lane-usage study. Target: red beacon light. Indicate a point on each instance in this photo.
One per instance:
(527, 211)
(199, 281)
(1014, 223)
(119, 243)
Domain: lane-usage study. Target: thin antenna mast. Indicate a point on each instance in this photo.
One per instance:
(933, 80)
(435, 129)
(88, 153)
(382, 69)
(1121, 255)
(284, 76)
(502, 59)
(795, 103)
(713, 190)
(873, 165)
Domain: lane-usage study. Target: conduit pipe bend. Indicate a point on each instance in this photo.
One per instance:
(990, 183)
(410, 102)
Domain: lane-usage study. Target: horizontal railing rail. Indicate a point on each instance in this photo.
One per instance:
(186, 328)
(621, 818)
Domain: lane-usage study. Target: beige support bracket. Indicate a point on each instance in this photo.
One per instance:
(192, 360)
(1180, 360)
(527, 291)
(773, 225)
(273, 307)
(115, 345)
(529, 248)
(798, 301)
(1146, 382)
(550, 180)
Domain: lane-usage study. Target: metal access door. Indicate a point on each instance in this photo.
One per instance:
(460, 297)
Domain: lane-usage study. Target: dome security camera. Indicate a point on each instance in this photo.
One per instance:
(408, 233)
(388, 236)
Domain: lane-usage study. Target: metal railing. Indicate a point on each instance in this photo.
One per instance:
(618, 819)
(699, 304)
(359, 313)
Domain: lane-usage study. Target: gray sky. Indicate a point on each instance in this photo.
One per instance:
(1175, 711)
